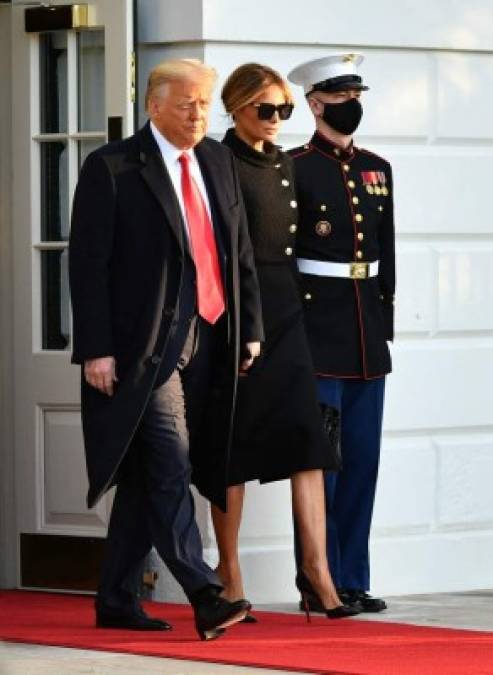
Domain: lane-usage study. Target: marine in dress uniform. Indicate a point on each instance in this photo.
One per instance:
(345, 250)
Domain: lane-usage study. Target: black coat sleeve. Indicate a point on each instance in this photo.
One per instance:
(90, 250)
(251, 325)
(386, 272)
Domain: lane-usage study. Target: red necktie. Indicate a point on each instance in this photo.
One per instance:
(210, 293)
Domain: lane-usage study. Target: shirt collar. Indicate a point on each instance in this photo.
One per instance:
(169, 152)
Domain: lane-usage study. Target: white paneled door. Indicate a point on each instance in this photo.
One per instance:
(70, 87)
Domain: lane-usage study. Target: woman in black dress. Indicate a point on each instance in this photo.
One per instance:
(278, 430)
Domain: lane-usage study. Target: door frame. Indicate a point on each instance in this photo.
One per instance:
(8, 559)
(26, 481)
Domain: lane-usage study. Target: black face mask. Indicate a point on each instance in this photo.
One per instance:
(343, 117)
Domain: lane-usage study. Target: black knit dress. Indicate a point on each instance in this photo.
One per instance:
(278, 426)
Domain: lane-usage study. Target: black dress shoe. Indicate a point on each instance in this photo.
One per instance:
(213, 614)
(138, 620)
(364, 601)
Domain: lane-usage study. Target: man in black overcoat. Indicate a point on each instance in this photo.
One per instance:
(165, 299)
(345, 251)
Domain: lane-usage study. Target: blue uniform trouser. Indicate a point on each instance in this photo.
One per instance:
(350, 493)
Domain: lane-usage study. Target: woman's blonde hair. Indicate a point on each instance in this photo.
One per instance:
(178, 69)
(247, 81)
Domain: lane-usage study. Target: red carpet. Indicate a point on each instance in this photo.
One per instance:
(278, 641)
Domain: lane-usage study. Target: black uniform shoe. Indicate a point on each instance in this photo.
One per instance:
(363, 601)
(138, 620)
(213, 614)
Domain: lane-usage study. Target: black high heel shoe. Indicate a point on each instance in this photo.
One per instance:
(307, 591)
(249, 618)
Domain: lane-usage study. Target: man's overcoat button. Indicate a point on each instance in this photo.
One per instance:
(155, 359)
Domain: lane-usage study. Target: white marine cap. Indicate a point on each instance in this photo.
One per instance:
(335, 72)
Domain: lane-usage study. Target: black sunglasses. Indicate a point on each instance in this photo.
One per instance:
(265, 111)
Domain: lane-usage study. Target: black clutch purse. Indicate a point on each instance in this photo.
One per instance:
(331, 418)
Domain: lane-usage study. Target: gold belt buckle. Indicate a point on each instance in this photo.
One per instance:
(359, 270)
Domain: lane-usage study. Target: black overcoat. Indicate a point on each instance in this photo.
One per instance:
(345, 200)
(126, 258)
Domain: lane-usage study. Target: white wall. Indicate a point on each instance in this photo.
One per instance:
(430, 69)
(417, 24)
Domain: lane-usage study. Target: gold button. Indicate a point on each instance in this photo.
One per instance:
(380, 208)
(355, 200)
(323, 207)
(293, 204)
(361, 236)
(285, 182)
(359, 254)
(289, 250)
(277, 166)
(292, 228)
(337, 151)
(358, 218)
(346, 167)
(308, 296)
(351, 184)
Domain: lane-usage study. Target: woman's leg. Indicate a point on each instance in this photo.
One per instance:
(308, 496)
(227, 527)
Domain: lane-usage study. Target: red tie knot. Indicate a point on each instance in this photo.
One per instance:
(184, 159)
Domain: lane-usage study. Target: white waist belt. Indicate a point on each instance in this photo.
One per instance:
(353, 270)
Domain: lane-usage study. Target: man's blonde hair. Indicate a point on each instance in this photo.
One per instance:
(176, 70)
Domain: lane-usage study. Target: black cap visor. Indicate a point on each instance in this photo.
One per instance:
(340, 83)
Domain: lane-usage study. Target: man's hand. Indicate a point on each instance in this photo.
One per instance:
(248, 354)
(100, 374)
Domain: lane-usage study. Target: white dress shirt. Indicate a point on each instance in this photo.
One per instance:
(171, 156)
